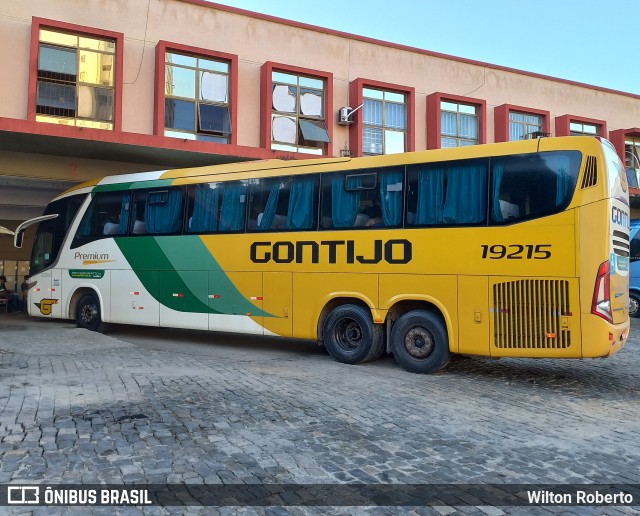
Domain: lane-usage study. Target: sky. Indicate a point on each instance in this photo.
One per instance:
(588, 41)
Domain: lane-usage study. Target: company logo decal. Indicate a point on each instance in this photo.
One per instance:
(332, 251)
(92, 258)
(45, 305)
(620, 217)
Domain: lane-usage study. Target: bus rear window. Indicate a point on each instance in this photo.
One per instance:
(532, 185)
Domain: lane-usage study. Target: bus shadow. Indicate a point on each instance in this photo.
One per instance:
(585, 378)
(207, 342)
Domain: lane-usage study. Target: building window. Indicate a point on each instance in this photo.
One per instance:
(384, 122)
(297, 113)
(571, 125)
(515, 123)
(196, 103)
(632, 160)
(632, 152)
(75, 83)
(524, 125)
(582, 129)
(458, 124)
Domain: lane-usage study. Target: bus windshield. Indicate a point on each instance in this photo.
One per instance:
(50, 233)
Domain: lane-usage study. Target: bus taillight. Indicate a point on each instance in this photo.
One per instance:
(601, 304)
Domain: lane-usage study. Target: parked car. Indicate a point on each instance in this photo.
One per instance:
(634, 269)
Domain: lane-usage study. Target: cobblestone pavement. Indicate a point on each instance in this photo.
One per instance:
(141, 405)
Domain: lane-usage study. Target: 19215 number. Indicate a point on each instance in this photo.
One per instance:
(516, 251)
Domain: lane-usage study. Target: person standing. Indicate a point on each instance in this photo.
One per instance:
(25, 290)
(12, 297)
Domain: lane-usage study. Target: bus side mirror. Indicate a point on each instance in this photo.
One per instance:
(18, 238)
(19, 233)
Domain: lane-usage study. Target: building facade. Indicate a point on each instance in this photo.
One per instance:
(118, 86)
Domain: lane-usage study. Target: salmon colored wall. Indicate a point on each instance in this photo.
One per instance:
(259, 39)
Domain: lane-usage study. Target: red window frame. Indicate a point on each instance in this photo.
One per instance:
(618, 137)
(356, 98)
(118, 37)
(563, 124)
(501, 119)
(266, 102)
(158, 104)
(433, 116)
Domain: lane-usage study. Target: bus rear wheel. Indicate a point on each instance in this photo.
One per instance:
(88, 314)
(350, 335)
(419, 342)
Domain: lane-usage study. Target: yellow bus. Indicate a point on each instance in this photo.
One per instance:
(515, 249)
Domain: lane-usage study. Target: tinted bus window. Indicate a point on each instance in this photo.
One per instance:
(157, 212)
(108, 214)
(216, 207)
(283, 203)
(363, 199)
(448, 193)
(532, 185)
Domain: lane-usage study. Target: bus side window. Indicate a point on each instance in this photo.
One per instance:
(107, 215)
(447, 193)
(233, 206)
(203, 208)
(532, 185)
(283, 203)
(363, 198)
(138, 225)
(158, 212)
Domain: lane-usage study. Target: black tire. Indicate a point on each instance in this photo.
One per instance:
(88, 314)
(351, 337)
(634, 305)
(419, 342)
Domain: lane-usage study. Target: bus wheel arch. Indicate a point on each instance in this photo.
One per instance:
(346, 328)
(419, 341)
(86, 309)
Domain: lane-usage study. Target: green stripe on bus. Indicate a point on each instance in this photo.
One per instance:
(162, 280)
(191, 251)
(183, 265)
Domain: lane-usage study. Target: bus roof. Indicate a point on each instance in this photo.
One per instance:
(274, 167)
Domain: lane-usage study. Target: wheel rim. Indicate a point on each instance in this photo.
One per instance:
(633, 306)
(419, 342)
(88, 314)
(348, 334)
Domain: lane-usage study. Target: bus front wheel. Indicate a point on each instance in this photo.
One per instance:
(88, 314)
(419, 342)
(350, 335)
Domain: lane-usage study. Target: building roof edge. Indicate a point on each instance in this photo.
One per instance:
(399, 46)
